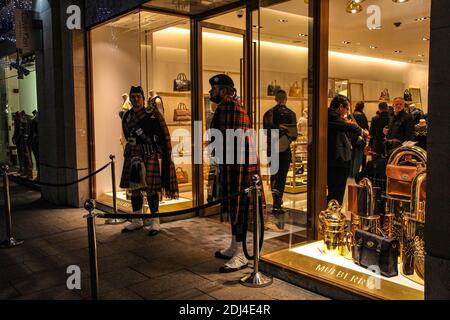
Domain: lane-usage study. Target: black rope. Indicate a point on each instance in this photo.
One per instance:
(45, 184)
(168, 214)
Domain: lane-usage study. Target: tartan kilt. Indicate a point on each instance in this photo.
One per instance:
(152, 171)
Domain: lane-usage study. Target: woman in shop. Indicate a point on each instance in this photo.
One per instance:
(148, 167)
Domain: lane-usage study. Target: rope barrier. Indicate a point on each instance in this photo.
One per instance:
(45, 184)
(170, 214)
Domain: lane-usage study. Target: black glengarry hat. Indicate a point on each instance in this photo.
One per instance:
(137, 89)
(221, 80)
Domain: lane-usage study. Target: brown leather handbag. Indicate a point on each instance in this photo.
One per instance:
(400, 179)
(182, 113)
(295, 90)
(182, 176)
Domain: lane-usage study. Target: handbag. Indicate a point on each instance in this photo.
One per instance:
(181, 83)
(400, 179)
(407, 96)
(384, 96)
(182, 176)
(377, 253)
(182, 113)
(272, 88)
(295, 90)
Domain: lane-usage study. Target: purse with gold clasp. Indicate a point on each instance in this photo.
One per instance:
(376, 253)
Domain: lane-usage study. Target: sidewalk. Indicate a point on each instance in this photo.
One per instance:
(178, 263)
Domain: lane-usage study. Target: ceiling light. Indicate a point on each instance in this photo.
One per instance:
(346, 42)
(422, 18)
(302, 35)
(260, 27)
(373, 47)
(353, 7)
(399, 1)
(398, 51)
(426, 39)
(358, 1)
(421, 55)
(282, 20)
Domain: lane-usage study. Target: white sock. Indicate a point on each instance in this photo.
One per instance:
(153, 224)
(135, 223)
(229, 252)
(238, 260)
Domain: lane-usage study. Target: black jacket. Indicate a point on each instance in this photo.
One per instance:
(338, 130)
(361, 119)
(376, 131)
(275, 117)
(401, 127)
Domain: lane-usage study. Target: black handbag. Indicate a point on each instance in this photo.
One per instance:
(272, 88)
(181, 83)
(376, 253)
(407, 96)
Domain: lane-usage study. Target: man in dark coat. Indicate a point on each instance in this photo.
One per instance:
(283, 119)
(378, 123)
(148, 143)
(339, 147)
(401, 127)
(235, 175)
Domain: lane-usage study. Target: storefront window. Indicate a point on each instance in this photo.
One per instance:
(18, 119)
(151, 50)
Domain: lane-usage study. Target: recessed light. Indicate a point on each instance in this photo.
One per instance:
(346, 42)
(422, 18)
(421, 55)
(373, 47)
(302, 35)
(260, 27)
(398, 51)
(282, 20)
(400, 1)
(426, 39)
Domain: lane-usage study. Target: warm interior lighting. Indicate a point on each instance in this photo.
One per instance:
(292, 47)
(353, 7)
(400, 1)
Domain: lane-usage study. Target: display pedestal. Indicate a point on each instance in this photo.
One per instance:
(336, 277)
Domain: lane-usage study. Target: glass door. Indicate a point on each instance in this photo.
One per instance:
(223, 53)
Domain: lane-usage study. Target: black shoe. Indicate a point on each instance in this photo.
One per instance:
(225, 269)
(152, 233)
(220, 255)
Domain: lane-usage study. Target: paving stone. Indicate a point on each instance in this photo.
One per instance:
(166, 285)
(122, 294)
(124, 277)
(190, 294)
(55, 293)
(15, 271)
(40, 281)
(9, 292)
(156, 268)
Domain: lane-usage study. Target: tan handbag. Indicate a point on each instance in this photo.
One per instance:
(400, 179)
(295, 90)
(182, 176)
(182, 113)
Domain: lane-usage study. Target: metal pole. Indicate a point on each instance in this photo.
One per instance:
(114, 191)
(256, 279)
(10, 241)
(89, 205)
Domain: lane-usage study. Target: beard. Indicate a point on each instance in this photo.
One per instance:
(216, 99)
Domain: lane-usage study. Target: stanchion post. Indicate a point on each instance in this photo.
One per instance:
(114, 192)
(89, 205)
(10, 242)
(256, 279)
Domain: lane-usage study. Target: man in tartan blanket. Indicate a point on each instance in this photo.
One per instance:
(148, 167)
(235, 175)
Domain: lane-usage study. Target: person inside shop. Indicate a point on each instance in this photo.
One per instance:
(339, 147)
(234, 176)
(358, 143)
(281, 118)
(148, 166)
(378, 123)
(401, 127)
(420, 132)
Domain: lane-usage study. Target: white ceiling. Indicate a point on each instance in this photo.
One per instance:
(408, 38)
